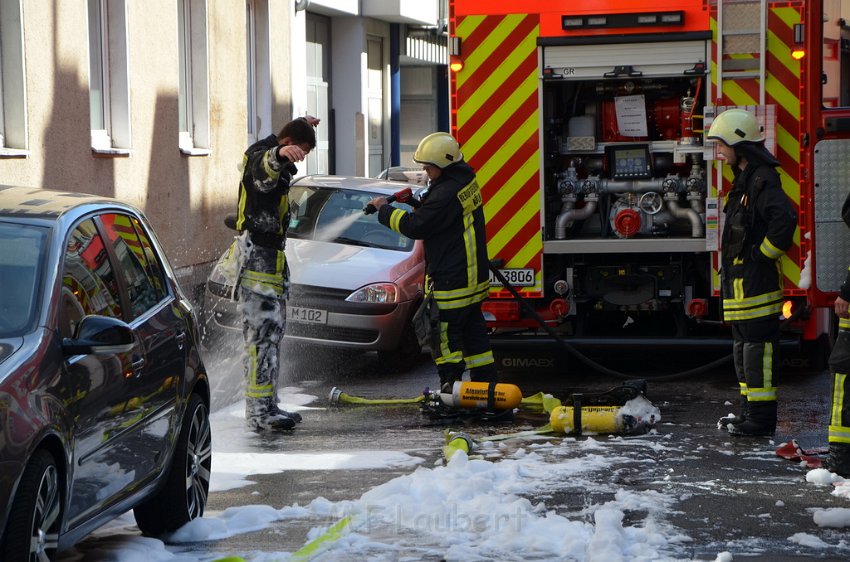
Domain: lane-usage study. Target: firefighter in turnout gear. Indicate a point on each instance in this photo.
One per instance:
(838, 460)
(759, 228)
(451, 223)
(263, 212)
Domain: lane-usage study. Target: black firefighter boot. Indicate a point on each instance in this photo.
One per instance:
(732, 419)
(838, 459)
(760, 421)
(262, 414)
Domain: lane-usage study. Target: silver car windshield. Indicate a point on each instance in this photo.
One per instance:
(22, 253)
(336, 215)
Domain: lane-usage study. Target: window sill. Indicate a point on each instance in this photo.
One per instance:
(111, 151)
(14, 153)
(192, 151)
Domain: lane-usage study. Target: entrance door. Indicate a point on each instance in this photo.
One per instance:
(318, 73)
(375, 104)
(258, 65)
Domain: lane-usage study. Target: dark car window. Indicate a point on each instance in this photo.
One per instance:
(22, 252)
(152, 265)
(141, 271)
(336, 215)
(88, 280)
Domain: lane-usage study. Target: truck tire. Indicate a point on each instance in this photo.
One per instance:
(406, 355)
(817, 351)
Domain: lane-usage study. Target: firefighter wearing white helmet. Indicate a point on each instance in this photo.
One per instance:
(450, 221)
(758, 230)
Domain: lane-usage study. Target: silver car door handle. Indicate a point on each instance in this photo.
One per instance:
(137, 366)
(181, 339)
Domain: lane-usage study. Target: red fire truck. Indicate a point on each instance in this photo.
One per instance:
(585, 121)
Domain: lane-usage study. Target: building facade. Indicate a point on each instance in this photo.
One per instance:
(375, 70)
(154, 101)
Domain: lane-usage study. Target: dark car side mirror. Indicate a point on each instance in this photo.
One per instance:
(100, 334)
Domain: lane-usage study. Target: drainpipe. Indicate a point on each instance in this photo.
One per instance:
(395, 95)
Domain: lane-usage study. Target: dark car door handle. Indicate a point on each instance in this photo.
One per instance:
(181, 339)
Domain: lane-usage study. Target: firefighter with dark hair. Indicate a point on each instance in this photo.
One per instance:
(263, 212)
(451, 223)
(760, 221)
(838, 460)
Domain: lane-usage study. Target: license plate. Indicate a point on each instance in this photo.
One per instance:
(307, 315)
(516, 277)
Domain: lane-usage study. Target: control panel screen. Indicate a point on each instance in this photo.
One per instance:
(629, 161)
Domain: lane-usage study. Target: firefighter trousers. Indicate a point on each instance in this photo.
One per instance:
(755, 354)
(263, 323)
(839, 365)
(459, 341)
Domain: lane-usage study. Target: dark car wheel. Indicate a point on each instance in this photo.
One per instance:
(32, 531)
(184, 495)
(406, 355)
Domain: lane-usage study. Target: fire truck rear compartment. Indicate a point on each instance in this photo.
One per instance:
(615, 294)
(601, 181)
(625, 189)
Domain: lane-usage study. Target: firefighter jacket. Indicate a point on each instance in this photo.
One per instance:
(759, 228)
(263, 211)
(264, 193)
(450, 221)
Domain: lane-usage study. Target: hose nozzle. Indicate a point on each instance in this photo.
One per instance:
(403, 196)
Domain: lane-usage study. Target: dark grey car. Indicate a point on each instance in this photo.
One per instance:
(104, 399)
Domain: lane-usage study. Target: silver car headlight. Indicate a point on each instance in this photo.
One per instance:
(376, 293)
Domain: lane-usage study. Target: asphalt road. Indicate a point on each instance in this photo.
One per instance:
(727, 489)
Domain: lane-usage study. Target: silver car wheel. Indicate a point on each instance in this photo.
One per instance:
(198, 462)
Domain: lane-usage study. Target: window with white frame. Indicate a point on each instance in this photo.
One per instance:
(194, 113)
(13, 124)
(109, 86)
(259, 70)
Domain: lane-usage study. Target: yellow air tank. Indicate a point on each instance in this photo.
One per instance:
(592, 419)
(466, 394)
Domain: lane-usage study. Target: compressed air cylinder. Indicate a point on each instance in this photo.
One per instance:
(466, 394)
(593, 419)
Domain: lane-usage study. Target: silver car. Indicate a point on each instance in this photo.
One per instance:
(354, 283)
